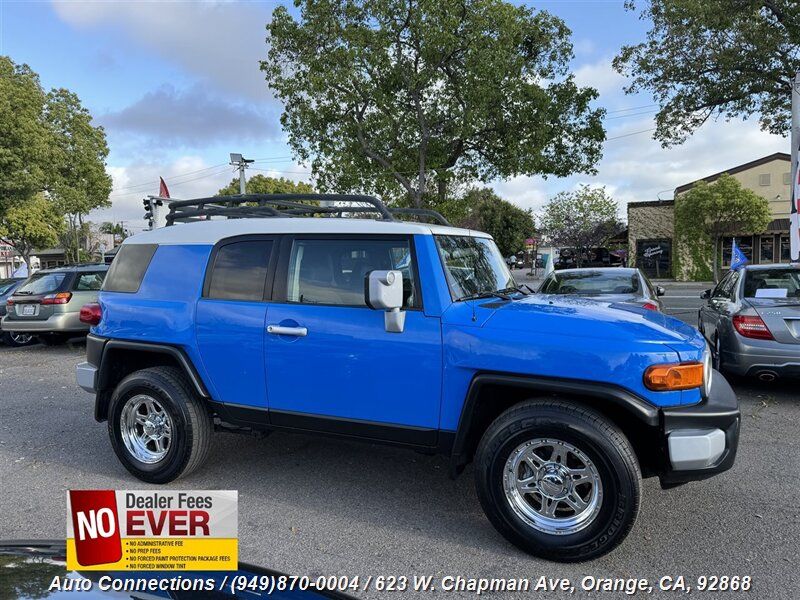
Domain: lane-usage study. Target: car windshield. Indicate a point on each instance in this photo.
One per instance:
(6, 284)
(592, 283)
(772, 283)
(41, 283)
(473, 266)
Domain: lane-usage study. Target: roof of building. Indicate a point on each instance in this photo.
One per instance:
(748, 165)
(651, 203)
(210, 232)
(779, 225)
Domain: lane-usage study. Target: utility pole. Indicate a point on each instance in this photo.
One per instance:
(237, 160)
(794, 211)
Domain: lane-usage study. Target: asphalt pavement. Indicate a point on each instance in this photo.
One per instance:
(316, 506)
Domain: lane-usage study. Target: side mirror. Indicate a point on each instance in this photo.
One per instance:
(705, 295)
(660, 291)
(384, 291)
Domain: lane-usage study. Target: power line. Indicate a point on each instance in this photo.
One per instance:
(630, 134)
(611, 112)
(636, 114)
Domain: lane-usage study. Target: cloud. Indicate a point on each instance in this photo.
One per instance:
(636, 168)
(219, 42)
(601, 76)
(188, 176)
(193, 117)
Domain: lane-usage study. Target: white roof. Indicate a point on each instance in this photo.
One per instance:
(210, 232)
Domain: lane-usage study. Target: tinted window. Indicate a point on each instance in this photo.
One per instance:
(772, 283)
(6, 284)
(41, 283)
(333, 271)
(89, 282)
(592, 282)
(129, 266)
(240, 271)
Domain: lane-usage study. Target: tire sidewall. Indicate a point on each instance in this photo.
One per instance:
(620, 491)
(170, 398)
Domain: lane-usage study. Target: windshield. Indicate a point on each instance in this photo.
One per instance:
(5, 285)
(473, 266)
(41, 283)
(592, 283)
(772, 283)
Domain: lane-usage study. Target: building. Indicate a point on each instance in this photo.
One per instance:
(10, 260)
(651, 225)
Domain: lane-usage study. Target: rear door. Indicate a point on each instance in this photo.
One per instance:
(775, 296)
(230, 319)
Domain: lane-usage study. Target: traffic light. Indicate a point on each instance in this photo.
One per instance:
(148, 215)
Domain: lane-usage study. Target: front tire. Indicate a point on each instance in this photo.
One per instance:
(159, 428)
(558, 480)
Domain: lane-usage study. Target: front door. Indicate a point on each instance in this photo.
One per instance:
(331, 365)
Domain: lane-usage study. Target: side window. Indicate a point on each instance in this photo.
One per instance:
(89, 282)
(239, 271)
(333, 271)
(720, 291)
(129, 266)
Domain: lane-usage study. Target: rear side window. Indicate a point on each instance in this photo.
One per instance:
(129, 266)
(89, 282)
(240, 271)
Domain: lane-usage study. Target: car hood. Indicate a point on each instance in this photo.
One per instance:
(587, 318)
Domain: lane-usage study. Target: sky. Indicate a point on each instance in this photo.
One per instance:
(177, 87)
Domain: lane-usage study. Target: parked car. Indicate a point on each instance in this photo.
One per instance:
(752, 321)
(402, 333)
(614, 284)
(9, 338)
(48, 304)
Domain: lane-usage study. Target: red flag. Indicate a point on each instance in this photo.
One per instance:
(163, 192)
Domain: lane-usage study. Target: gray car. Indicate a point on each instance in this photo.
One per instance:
(752, 321)
(48, 304)
(609, 284)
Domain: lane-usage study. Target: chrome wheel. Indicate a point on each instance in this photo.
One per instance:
(553, 486)
(21, 339)
(146, 429)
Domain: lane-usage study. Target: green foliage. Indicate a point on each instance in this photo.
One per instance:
(710, 211)
(33, 223)
(25, 149)
(395, 98)
(483, 210)
(712, 58)
(260, 184)
(581, 219)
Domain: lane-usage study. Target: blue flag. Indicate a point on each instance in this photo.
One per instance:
(738, 259)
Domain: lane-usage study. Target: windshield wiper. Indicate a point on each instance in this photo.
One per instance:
(480, 295)
(519, 289)
(22, 293)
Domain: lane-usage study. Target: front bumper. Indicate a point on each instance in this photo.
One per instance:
(59, 322)
(701, 440)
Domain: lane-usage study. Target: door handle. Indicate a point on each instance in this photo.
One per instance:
(280, 330)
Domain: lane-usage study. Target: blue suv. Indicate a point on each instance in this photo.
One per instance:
(248, 315)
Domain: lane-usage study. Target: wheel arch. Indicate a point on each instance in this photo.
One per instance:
(490, 394)
(117, 359)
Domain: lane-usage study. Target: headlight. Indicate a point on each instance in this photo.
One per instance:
(708, 372)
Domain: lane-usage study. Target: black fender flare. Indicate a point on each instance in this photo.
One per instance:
(637, 407)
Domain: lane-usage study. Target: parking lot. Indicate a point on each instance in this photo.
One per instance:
(321, 506)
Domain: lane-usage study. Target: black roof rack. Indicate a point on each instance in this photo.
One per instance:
(244, 206)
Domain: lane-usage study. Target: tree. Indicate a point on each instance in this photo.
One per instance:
(115, 229)
(716, 58)
(80, 183)
(406, 96)
(483, 210)
(25, 149)
(260, 184)
(581, 219)
(708, 212)
(34, 223)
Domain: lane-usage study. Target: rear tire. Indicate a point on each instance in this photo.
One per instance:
(586, 498)
(159, 429)
(16, 339)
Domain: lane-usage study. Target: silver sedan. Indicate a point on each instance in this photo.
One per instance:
(605, 284)
(752, 321)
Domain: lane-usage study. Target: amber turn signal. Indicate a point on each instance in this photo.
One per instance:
(663, 378)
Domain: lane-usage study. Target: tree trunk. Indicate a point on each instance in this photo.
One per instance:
(715, 261)
(441, 190)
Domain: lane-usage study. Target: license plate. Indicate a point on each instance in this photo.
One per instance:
(28, 310)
